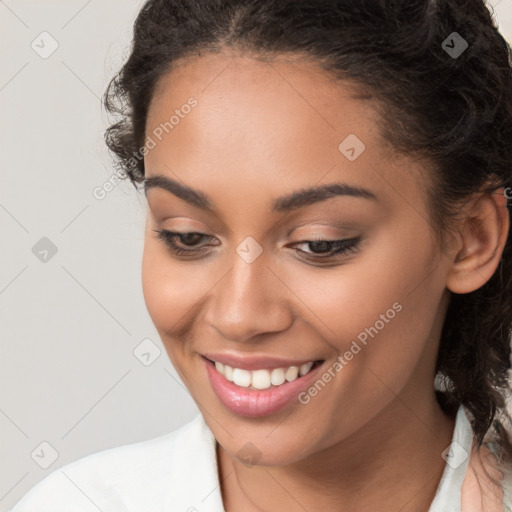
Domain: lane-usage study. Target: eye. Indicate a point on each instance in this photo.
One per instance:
(329, 248)
(192, 238)
(319, 249)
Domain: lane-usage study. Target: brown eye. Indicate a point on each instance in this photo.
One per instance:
(329, 248)
(191, 239)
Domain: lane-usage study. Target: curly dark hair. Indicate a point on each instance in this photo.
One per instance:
(453, 111)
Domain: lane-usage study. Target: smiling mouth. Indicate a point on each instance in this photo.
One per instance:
(264, 378)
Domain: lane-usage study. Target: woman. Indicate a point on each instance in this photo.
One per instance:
(328, 188)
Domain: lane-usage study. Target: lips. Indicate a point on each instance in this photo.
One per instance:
(246, 399)
(255, 362)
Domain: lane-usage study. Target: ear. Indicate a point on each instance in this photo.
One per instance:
(482, 237)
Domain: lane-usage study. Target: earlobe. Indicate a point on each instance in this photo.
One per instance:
(483, 235)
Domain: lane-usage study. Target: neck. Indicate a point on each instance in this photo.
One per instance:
(392, 463)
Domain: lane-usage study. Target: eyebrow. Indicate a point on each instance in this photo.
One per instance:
(298, 199)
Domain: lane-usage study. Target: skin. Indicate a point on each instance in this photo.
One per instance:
(261, 130)
(480, 491)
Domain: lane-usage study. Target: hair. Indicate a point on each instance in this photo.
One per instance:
(455, 112)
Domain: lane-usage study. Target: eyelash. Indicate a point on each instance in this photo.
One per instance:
(340, 247)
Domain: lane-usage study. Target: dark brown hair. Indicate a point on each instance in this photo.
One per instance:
(454, 111)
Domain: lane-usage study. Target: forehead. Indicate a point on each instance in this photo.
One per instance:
(268, 124)
(284, 87)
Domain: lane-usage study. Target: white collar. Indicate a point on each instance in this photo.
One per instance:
(448, 494)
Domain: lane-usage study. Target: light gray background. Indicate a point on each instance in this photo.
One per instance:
(70, 324)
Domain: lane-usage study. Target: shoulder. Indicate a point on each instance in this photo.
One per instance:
(149, 475)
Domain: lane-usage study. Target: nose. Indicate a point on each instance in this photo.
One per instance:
(250, 299)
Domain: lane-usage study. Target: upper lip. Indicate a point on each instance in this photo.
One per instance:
(255, 362)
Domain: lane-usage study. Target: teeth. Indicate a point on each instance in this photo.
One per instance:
(305, 368)
(228, 372)
(277, 376)
(292, 373)
(262, 379)
(241, 377)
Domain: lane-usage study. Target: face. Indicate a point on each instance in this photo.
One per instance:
(349, 278)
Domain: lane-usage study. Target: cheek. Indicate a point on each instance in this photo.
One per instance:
(172, 289)
(164, 287)
(379, 309)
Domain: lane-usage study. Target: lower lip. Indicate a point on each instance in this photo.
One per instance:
(253, 403)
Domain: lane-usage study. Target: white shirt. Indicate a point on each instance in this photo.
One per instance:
(177, 472)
